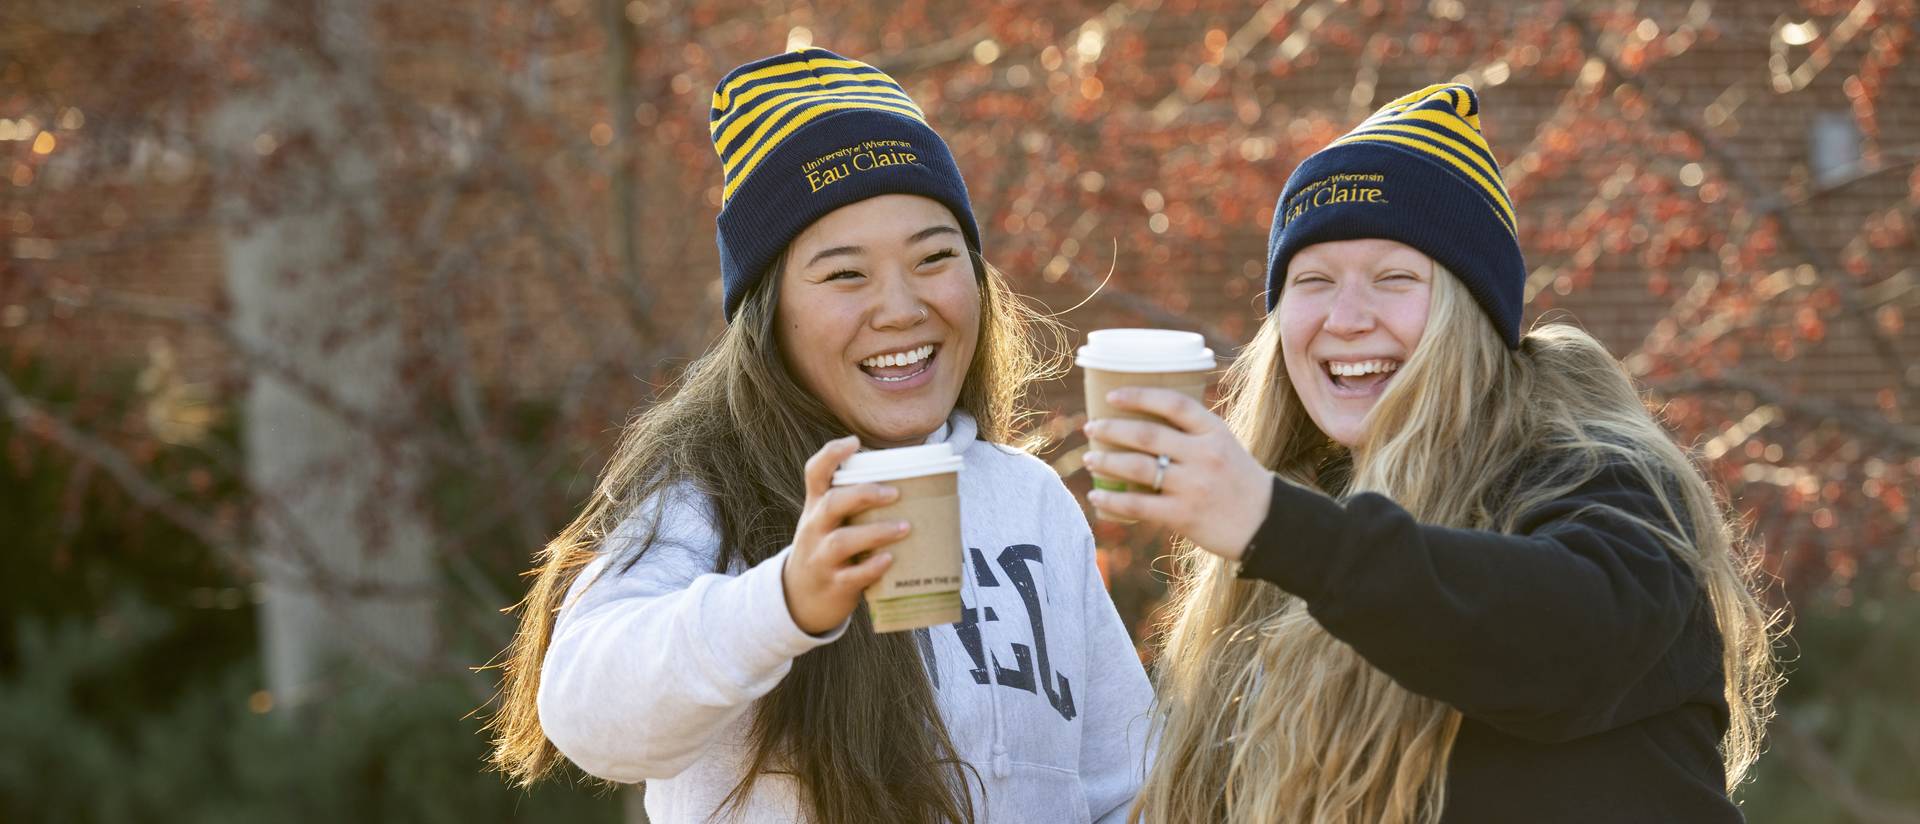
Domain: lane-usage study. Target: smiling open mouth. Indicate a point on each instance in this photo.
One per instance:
(905, 365)
(1361, 376)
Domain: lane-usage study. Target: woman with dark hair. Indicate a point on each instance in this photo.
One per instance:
(699, 626)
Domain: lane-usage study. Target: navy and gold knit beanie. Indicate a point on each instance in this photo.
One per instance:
(804, 133)
(1419, 172)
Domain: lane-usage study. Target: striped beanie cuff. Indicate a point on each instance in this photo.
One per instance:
(804, 133)
(1419, 172)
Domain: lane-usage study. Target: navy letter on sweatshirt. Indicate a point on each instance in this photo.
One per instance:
(1013, 562)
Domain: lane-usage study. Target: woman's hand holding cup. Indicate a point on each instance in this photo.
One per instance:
(826, 575)
(1211, 489)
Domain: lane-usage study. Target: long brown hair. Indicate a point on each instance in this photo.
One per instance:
(1266, 717)
(855, 722)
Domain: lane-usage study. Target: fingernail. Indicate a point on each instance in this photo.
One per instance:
(902, 527)
(1093, 459)
(1115, 395)
(1096, 496)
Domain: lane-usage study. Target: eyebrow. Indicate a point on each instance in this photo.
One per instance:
(931, 231)
(834, 252)
(923, 234)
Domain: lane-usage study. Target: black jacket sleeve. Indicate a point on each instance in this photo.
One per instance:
(1581, 622)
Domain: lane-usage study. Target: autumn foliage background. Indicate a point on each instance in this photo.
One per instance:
(317, 319)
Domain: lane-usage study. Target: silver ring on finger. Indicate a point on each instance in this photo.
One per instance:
(1160, 472)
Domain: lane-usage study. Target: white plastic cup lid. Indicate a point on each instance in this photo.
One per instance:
(1146, 350)
(878, 465)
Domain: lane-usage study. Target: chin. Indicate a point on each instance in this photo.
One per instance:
(1341, 432)
(913, 427)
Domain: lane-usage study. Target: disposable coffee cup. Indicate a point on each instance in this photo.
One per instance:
(922, 586)
(1153, 358)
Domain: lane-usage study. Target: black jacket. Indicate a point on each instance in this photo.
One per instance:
(1582, 653)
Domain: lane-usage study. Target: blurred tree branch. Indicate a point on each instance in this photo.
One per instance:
(1793, 741)
(1769, 204)
(89, 450)
(1864, 424)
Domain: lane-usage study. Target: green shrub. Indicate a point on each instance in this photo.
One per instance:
(1852, 691)
(371, 753)
(130, 671)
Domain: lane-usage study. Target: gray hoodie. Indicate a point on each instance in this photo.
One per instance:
(652, 671)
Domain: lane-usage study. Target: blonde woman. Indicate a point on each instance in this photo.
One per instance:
(1441, 571)
(699, 626)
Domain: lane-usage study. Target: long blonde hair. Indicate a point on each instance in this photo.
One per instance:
(1266, 717)
(854, 723)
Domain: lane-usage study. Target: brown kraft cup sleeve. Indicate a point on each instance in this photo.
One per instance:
(922, 586)
(1099, 382)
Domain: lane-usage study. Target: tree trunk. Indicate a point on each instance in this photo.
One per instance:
(343, 543)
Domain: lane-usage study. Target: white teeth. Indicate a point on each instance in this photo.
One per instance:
(1361, 368)
(907, 358)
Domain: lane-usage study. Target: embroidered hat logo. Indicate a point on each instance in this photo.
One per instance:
(833, 167)
(1340, 188)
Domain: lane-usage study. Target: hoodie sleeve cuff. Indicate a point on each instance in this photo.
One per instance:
(756, 633)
